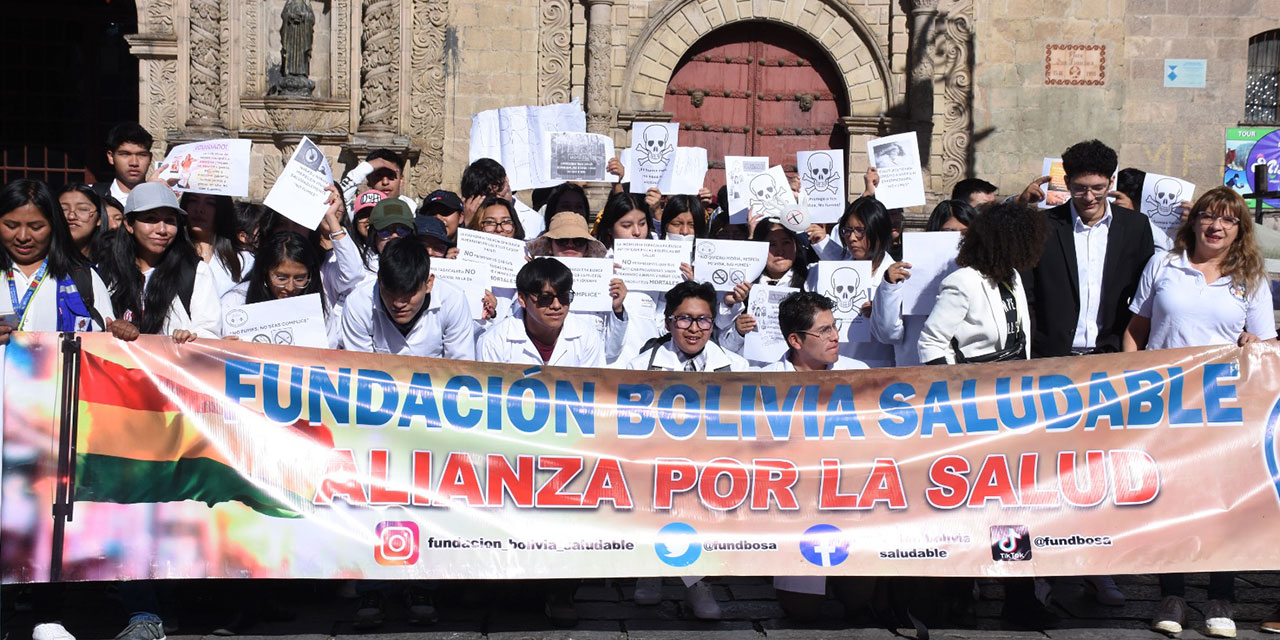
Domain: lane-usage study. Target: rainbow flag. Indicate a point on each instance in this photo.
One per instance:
(143, 438)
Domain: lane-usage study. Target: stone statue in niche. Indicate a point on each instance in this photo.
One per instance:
(296, 27)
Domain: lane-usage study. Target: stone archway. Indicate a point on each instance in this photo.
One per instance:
(861, 62)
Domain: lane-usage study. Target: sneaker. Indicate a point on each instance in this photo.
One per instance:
(648, 591)
(560, 610)
(1217, 620)
(142, 630)
(369, 611)
(1105, 590)
(1172, 615)
(702, 601)
(1271, 623)
(421, 606)
(51, 631)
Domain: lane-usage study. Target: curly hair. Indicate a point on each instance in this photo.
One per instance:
(1003, 239)
(1089, 157)
(1243, 262)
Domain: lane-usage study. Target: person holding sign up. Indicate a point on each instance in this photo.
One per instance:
(866, 232)
(286, 265)
(787, 265)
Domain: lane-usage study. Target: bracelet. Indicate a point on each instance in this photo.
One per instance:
(338, 234)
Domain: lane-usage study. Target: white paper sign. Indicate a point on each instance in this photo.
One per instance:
(1162, 198)
(653, 151)
(848, 284)
(218, 167)
(728, 263)
(591, 278)
(738, 172)
(932, 256)
(651, 265)
(765, 343)
(514, 136)
(1055, 190)
(504, 256)
(299, 193)
(687, 174)
(577, 157)
(897, 159)
(822, 184)
(297, 321)
(472, 277)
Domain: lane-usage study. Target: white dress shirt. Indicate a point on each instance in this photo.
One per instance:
(443, 330)
(842, 363)
(1091, 253)
(579, 344)
(1186, 311)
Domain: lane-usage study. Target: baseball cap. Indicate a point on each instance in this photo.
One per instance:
(441, 198)
(432, 227)
(152, 195)
(366, 200)
(390, 211)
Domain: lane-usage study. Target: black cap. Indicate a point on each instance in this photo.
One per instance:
(442, 198)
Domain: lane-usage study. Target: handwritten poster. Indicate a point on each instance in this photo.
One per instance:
(514, 136)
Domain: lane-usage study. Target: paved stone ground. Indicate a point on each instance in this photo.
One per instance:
(512, 611)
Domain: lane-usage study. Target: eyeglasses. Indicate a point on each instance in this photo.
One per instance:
(488, 225)
(1081, 189)
(545, 299)
(283, 280)
(685, 322)
(1207, 218)
(827, 333)
(860, 232)
(82, 212)
(397, 231)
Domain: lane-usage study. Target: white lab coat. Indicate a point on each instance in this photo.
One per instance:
(205, 317)
(579, 344)
(443, 330)
(889, 326)
(841, 364)
(332, 323)
(969, 309)
(662, 356)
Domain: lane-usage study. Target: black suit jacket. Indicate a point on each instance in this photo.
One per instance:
(1054, 292)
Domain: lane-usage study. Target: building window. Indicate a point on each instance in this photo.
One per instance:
(1260, 103)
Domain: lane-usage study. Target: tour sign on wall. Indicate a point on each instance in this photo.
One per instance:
(1075, 65)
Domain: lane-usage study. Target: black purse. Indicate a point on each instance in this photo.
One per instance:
(1015, 343)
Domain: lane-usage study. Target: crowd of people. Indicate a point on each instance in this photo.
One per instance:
(1089, 276)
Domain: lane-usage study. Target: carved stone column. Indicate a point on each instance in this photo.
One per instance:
(920, 83)
(205, 53)
(599, 48)
(379, 68)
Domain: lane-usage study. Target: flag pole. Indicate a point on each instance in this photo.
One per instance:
(68, 419)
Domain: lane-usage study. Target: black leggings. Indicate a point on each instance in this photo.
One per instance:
(1222, 585)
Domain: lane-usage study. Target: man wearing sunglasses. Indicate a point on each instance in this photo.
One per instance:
(813, 338)
(687, 346)
(542, 331)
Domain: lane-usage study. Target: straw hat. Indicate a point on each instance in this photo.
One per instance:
(564, 226)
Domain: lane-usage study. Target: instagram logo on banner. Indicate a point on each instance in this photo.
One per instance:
(397, 543)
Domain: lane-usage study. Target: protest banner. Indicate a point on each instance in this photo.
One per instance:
(577, 157)
(765, 344)
(822, 184)
(299, 193)
(653, 150)
(215, 167)
(738, 172)
(897, 159)
(591, 279)
(849, 286)
(504, 256)
(651, 265)
(932, 256)
(514, 136)
(1055, 190)
(471, 277)
(728, 263)
(297, 321)
(1162, 198)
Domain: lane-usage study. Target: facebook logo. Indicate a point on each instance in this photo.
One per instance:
(824, 545)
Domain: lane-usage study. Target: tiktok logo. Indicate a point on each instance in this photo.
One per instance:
(824, 545)
(1010, 543)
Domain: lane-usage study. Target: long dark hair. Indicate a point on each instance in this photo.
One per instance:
(948, 209)
(285, 245)
(620, 204)
(875, 218)
(96, 200)
(226, 232)
(120, 272)
(558, 193)
(804, 251)
(63, 255)
(679, 204)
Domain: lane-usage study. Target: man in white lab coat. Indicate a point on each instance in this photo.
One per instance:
(404, 311)
(542, 331)
(813, 341)
(690, 321)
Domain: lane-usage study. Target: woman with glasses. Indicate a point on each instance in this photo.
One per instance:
(786, 265)
(865, 231)
(499, 217)
(1211, 289)
(286, 265)
(86, 219)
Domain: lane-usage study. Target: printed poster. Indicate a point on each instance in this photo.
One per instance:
(765, 344)
(1249, 147)
(739, 171)
(822, 184)
(897, 159)
(578, 157)
(653, 150)
(297, 321)
(215, 167)
(299, 194)
(1162, 198)
(849, 285)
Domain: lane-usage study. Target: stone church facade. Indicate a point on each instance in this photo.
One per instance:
(971, 76)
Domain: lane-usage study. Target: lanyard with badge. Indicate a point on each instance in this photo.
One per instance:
(20, 306)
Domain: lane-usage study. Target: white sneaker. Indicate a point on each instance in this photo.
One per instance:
(1217, 620)
(1105, 590)
(703, 601)
(51, 631)
(648, 591)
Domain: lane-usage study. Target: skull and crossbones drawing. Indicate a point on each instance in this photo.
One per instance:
(846, 290)
(766, 196)
(655, 147)
(820, 174)
(1166, 199)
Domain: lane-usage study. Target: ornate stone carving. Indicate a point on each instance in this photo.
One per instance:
(297, 28)
(427, 92)
(253, 82)
(954, 49)
(159, 17)
(341, 34)
(599, 46)
(553, 52)
(205, 52)
(379, 71)
(162, 77)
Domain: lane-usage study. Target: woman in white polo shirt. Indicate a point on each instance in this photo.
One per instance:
(1210, 289)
